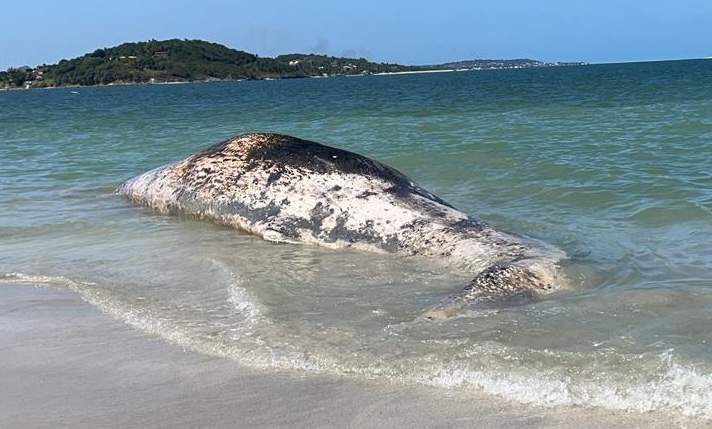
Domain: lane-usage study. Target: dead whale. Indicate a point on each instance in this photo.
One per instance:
(290, 190)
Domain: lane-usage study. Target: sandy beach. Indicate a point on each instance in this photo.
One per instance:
(64, 364)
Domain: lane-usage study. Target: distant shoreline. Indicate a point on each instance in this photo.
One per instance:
(236, 80)
(428, 71)
(419, 71)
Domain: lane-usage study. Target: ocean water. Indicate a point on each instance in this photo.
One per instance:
(611, 163)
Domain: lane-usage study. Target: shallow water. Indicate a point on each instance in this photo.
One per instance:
(610, 163)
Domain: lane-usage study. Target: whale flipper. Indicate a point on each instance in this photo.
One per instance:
(499, 283)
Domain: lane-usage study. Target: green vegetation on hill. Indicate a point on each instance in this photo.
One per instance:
(183, 61)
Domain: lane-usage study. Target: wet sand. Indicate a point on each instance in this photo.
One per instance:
(65, 364)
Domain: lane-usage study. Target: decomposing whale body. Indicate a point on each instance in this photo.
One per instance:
(285, 189)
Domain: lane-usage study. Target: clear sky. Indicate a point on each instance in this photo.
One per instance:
(401, 31)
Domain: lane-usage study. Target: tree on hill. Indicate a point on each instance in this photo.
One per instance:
(15, 77)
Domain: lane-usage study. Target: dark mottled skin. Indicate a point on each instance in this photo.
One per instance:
(304, 159)
(281, 150)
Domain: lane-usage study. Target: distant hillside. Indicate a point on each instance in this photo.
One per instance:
(183, 61)
(500, 64)
(493, 64)
(196, 60)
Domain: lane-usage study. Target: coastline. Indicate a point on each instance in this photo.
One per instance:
(228, 80)
(66, 364)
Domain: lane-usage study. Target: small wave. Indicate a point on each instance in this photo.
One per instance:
(242, 300)
(244, 303)
(41, 280)
(676, 388)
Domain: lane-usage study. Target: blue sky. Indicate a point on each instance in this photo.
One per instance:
(407, 32)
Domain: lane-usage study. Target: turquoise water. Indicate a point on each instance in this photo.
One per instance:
(611, 163)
